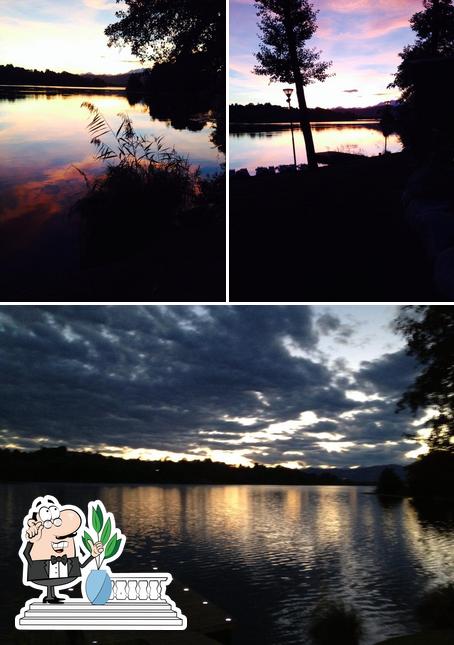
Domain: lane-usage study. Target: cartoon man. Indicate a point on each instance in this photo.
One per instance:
(49, 555)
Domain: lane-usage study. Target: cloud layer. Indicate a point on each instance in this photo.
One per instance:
(62, 36)
(361, 37)
(232, 383)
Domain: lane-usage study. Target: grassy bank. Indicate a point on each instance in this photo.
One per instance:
(313, 236)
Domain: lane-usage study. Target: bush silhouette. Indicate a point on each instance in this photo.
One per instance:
(436, 609)
(334, 622)
(389, 483)
(146, 186)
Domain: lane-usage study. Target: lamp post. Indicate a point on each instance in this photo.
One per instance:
(288, 93)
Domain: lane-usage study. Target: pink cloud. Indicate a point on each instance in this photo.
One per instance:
(366, 6)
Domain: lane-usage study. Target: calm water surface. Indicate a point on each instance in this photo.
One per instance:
(43, 135)
(273, 146)
(266, 554)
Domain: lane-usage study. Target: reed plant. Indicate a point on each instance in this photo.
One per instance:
(146, 186)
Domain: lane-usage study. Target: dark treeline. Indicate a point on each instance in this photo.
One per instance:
(60, 464)
(268, 113)
(188, 92)
(430, 476)
(192, 74)
(11, 75)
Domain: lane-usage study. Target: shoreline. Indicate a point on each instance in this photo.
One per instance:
(342, 227)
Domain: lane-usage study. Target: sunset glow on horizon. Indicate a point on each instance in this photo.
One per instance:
(362, 37)
(66, 36)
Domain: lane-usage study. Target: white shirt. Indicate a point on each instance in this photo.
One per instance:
(58, 570)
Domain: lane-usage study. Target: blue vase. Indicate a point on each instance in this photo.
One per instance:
(98, 587)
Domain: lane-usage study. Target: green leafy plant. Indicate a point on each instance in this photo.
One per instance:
(102, 525)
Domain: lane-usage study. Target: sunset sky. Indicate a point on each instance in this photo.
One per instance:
(61, 35)
(362, 37)
(293, 385)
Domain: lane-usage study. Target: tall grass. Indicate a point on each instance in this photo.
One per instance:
(145, 188)
(140, 166)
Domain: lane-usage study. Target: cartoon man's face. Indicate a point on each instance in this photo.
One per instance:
(54, 530)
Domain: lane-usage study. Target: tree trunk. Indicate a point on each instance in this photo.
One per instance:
(304, 115)
(305, 123)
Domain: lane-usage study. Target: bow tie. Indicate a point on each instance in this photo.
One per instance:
(62, 558)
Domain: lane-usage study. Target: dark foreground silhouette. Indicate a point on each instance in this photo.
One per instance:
(336, 233)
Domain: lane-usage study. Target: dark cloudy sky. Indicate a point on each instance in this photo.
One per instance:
(296, 385)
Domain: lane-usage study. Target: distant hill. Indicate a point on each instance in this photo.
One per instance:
(11, 75)
(361, 475)
(268, 113)
(115, 79)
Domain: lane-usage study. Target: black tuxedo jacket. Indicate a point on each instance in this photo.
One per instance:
(39, 569)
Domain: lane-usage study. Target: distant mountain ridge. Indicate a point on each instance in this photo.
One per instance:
(361, 475)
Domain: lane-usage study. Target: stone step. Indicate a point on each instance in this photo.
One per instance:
(80, 614)
(99, 623)
(164, 613)
(110, 607)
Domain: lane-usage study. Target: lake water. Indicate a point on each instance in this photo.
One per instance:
(43, 135)
(265, 554)
(272, 145)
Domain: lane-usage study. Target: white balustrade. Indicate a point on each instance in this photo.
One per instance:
(139, 586)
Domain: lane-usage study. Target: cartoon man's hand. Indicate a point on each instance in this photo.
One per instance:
(97, 549)
(35, 528)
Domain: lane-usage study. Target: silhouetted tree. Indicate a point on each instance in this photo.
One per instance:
(389, 483)
(432, 475)
(434, 28)
(286, 25)
(429, 332)
(185, 39)
(163, 31)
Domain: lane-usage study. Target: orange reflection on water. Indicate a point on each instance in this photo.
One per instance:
(25, 208)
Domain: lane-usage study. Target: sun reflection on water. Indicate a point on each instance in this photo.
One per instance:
(268, 554)
(272, 148)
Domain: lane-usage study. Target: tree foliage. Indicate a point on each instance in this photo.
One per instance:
(286, 25)
(434, 28)
(280, 22)
(163, 31)
(429, 332)
(389, 483)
